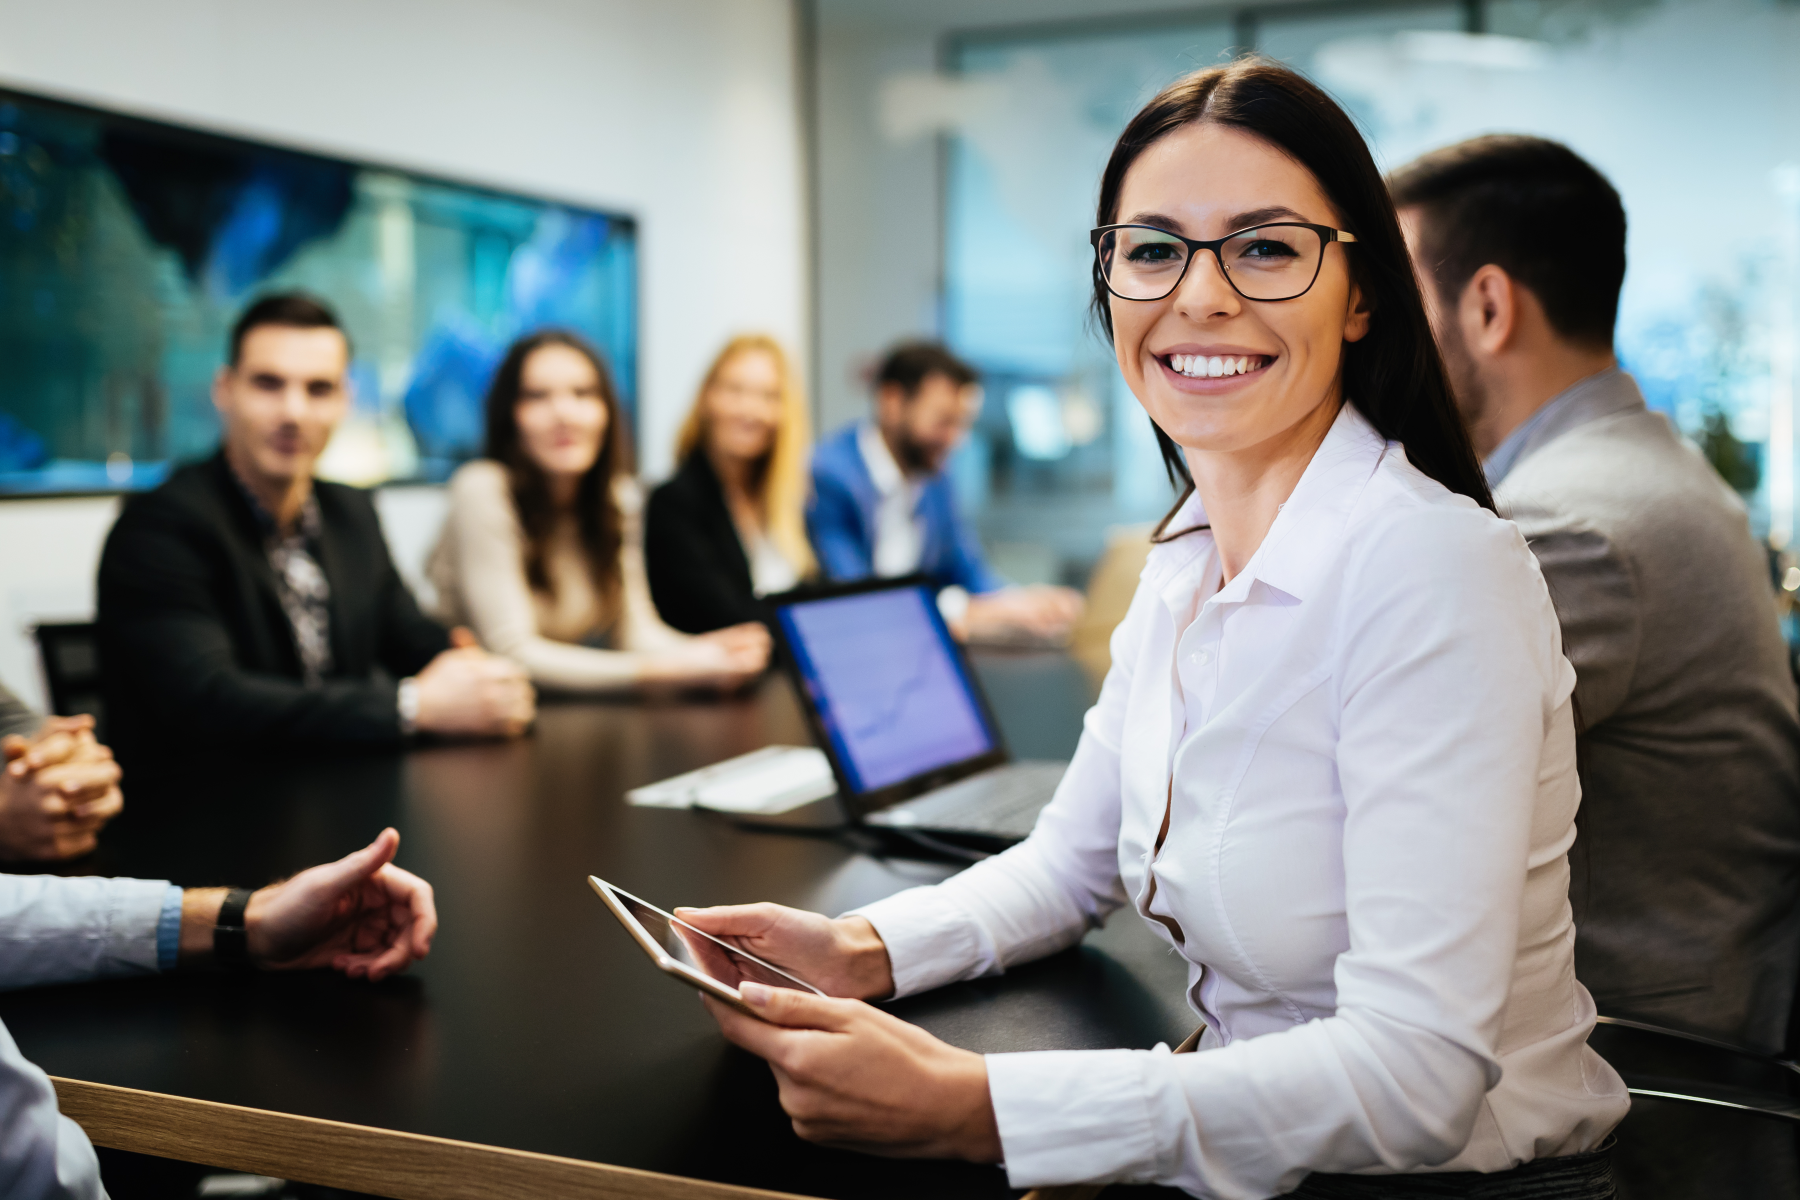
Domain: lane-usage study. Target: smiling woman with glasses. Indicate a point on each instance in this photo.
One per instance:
(1332, 767)
(1277, 261)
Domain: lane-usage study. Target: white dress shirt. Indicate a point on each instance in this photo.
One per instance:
(770, 571)
(1365, 745)
(899, 529)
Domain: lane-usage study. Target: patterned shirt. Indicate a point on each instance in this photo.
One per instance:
(300, 583)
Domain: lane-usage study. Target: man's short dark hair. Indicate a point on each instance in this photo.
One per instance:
(1535, 209)
(908, 365)
(295, 310)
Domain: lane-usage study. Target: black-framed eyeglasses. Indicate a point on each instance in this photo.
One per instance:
(1268, 262)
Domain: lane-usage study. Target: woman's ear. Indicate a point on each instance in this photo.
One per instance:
(1358, 314)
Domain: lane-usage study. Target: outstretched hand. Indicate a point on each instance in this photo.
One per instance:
(851, 1075)
(361, 915)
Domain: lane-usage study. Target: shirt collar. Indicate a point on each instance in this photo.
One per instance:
(1309, 526)
(884, 472)
(1603, 392)
(307, 527)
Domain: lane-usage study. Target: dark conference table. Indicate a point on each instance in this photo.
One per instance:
(536, 1038)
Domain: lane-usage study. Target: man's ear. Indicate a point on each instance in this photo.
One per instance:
(1489, 311)
(890, 403)
(221, 390)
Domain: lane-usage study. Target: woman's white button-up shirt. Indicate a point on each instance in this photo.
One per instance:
(1366, 748)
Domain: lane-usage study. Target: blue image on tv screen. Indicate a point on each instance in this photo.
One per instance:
(128, 247)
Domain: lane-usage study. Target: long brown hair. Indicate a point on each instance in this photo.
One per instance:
(780, 479)
(1394, 375)
(600, 523)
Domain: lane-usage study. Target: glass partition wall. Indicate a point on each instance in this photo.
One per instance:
(1688, 106)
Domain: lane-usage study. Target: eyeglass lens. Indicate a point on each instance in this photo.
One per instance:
(1275, 262)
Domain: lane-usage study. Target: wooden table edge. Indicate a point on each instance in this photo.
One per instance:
(361, 1158)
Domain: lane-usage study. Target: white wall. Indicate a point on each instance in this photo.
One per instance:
(683, 113)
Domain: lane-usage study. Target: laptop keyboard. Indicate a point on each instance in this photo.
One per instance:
(1003, 802)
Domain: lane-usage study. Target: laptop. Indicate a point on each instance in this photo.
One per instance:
(893, 703)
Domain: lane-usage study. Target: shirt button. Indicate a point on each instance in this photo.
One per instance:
(1201, 657)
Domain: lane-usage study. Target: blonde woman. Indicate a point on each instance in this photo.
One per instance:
(730, 527)
(540, 554)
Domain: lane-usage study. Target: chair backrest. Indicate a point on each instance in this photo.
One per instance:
(71, 659)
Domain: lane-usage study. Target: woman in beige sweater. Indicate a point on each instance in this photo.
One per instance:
(540, 552)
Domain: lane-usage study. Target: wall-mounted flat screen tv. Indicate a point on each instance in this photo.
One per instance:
(129, 246)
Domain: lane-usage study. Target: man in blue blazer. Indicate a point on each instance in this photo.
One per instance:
(883, 504)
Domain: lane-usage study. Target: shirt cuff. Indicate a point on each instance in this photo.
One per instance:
(931, 940)
(406, 704)
(953, 604)
(168, 930)
(1077, 1116)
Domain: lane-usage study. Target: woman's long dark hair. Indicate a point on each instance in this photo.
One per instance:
(1393, 375)
(601, 525)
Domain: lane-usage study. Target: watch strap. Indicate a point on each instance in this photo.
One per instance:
(231, 939)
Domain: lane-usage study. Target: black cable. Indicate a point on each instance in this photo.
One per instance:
(948, 849)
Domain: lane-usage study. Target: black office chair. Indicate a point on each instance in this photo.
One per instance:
(1685, 1067)
(71, 659)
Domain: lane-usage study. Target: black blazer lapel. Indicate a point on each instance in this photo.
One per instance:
(243, 536)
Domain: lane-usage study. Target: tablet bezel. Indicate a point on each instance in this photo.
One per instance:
(609, 895)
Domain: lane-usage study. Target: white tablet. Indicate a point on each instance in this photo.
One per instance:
(690, 955)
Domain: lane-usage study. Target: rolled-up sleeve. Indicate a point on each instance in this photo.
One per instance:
(55, 930)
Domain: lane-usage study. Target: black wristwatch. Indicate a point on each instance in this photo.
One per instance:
(231, 940)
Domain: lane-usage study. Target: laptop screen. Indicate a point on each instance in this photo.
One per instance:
(887, 683)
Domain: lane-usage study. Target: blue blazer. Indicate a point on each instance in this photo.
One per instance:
(841, 521)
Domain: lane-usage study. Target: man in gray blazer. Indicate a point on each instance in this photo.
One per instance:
(360, 915)
(1686, 872)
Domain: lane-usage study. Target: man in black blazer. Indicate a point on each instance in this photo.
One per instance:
(244, 602)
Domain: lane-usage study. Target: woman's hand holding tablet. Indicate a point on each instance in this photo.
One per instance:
(850, 1074)
(689, 954)
(854, 1076)
(845, 957)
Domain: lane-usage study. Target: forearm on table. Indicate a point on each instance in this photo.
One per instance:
(199, 917)
(976, 924)
(206, 690)
(568, 667)
(68, 930)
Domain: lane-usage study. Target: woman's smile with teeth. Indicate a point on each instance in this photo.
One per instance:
(1204, 366)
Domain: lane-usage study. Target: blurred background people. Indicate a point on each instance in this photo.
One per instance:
(541, 551)
(1687, 880)
(360, 915)
(243, 601)
(730, 527)
(58, 785)
(884, 505)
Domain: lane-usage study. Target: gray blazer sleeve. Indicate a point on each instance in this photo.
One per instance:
(43, 1154)
(56, 930)
(16, 716)
(1596, 597)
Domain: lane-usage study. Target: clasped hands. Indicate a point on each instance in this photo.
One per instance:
(469, 692)
(56, 790)
(849, 1074)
